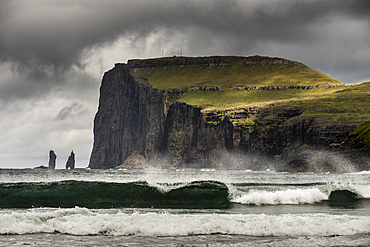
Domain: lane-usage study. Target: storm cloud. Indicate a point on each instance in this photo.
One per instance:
(55, 52)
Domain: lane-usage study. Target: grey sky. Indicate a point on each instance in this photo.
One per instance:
(53, 53)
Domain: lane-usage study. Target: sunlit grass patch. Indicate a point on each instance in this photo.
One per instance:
(234, 74)
(329, 104)
(362, 133)
(332, 104)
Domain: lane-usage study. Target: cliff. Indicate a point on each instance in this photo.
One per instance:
(209, 112)
(130, 118)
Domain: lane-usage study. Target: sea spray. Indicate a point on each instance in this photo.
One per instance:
(81, 221)
(289, 196)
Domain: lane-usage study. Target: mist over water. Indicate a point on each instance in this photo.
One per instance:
(293, 160)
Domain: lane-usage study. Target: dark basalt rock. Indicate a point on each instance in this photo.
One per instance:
(71, 161)
(41, 167)
(133, 116)
(208, 62)
(52, 159)
(134, 161)
(130, 117)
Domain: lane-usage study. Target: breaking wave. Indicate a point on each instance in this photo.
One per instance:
(311, 193)
(289, 196)
(187, 195)
(66, 194)
(82, 221)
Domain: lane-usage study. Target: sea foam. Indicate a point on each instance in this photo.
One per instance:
(289, 196)
(81, 221)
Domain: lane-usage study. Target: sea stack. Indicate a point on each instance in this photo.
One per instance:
(52, 159)
(71, 161)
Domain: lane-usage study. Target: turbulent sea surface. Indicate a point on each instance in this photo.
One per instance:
(84, 207)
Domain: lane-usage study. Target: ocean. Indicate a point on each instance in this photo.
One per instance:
(82, 207)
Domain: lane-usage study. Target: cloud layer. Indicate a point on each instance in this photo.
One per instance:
(54, 52)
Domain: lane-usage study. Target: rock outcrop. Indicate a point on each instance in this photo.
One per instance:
(71, 161)
(134, 117)
(208, 62)
(52, 159)
(134, 161)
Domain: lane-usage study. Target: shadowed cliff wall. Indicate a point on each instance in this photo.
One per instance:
(133, 116)
(130, 117)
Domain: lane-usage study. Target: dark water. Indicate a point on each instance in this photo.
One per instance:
(188, 208)
(198, 194)
(192, 195)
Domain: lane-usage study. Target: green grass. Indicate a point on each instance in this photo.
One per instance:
(222, 100)
(330, 104)
(235, 74)
(339, 104)
(362, 133)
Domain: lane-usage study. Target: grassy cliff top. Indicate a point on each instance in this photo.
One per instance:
(330, 104)
(226, 72)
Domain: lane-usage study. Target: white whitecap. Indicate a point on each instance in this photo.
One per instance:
(290, 196)
(81, 221)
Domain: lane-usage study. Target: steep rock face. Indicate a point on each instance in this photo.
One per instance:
(71, 161)
(134, 117)
(280, 129)
(191, 142)
(52, 159)
(130, 117)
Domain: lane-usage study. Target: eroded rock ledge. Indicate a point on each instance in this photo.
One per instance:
(281, 87)
(208, 62)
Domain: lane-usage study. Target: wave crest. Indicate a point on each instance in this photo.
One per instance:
(290, 196)
(80, 221)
